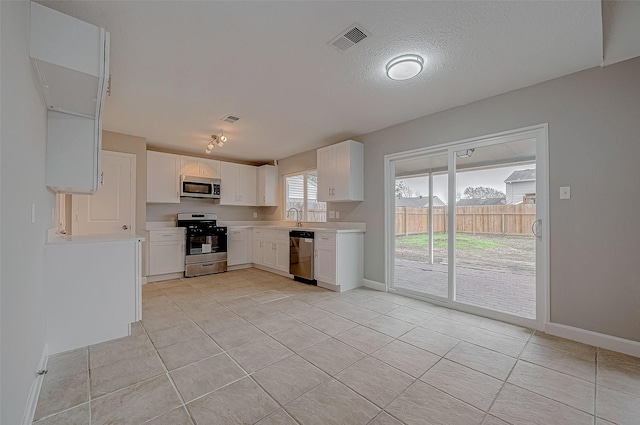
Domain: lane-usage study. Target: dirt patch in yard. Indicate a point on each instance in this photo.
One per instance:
(514, 254)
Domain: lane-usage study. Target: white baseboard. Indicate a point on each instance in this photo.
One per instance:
(160, 277)
(239, 267)
(34, 392)
(378, 286)
(275, 271)
(329, 286)
(609, 342)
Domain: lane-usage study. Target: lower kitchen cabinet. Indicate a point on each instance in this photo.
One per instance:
(166, 251)
(238, 247)
(271, 248)
(92, 291)
(339, 260)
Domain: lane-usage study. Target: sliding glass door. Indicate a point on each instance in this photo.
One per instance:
(467, 223)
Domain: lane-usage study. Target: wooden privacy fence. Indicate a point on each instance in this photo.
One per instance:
(489, 219)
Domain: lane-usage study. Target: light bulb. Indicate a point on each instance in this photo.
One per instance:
(208, 150)
(220, 143)
(223, 138)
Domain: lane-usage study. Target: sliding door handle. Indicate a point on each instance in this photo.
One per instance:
(536, 228)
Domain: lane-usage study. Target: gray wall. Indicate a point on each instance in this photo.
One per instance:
(23, 136)
(594, 147)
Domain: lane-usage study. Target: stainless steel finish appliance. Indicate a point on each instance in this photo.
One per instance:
(199, 187)
(206, 244)
(301, 255)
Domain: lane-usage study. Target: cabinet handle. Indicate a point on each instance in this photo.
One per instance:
(329, 191)
(333, 191)
(102, 178)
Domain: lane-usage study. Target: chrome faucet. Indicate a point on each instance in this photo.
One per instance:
(298, 223)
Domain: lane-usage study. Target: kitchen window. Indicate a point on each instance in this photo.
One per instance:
(301, 193)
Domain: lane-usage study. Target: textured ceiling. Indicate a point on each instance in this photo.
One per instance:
(178, 67)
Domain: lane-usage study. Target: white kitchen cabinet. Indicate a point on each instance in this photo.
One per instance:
(282, 250)
(191, 166)
(341, 172)
(271, 248)
(71, 62)
(92, 290)
(163, 178)
(166, 250)
(257, 246)
(267, 186)
(238, 247)
(238, 184)
(339, 260)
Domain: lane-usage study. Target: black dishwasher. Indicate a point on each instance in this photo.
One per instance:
(301, 255)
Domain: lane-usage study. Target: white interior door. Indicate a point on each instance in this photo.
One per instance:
(111, 210)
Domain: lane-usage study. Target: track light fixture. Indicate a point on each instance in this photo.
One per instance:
(216, 141)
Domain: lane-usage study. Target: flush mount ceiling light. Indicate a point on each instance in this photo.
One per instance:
(404, 67)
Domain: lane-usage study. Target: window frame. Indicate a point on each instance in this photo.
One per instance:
(305, 204)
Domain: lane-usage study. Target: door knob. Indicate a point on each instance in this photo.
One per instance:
(125, 227)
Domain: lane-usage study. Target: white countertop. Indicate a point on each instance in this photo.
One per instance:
(59, 240)
(334, 226)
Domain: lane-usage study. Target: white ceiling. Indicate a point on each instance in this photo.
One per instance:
(178, 67)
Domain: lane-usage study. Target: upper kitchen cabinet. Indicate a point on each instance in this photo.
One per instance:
(267, 186)
(163, 178)
(238, 184)
(71, 62)
(200, 167)
(341, 172)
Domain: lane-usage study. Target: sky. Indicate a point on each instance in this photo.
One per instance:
(493, 178)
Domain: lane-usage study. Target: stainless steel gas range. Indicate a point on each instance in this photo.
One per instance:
(206, 244)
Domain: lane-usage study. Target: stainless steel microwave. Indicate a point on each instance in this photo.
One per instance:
(199, 187)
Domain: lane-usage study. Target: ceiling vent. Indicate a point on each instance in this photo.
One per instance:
(350, 37)
(230, 118)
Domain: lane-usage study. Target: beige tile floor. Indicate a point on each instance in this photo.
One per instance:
(250, 347)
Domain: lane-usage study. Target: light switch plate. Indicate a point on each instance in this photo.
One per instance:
(255, 215)
(332, 214)
(337, 214)
(565, 192)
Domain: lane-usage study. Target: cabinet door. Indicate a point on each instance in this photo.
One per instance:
(325, 266)
(237, 247)
(190, 166)
(341, 188)
(210, 168)
(326, 169)
(246, 185)
(282, 256)
(269, 253)
(163, 178)
(166, 257)
(257, 251)
(267, 185)
(228, 182)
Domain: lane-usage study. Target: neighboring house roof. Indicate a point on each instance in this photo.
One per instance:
(484, 201)
(521, 176)
(419, 202)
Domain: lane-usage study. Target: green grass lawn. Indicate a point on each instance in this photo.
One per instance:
(440, 240)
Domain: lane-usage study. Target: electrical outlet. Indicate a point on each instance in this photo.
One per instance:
(337, 214)
(332, 214)
(255, 214)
